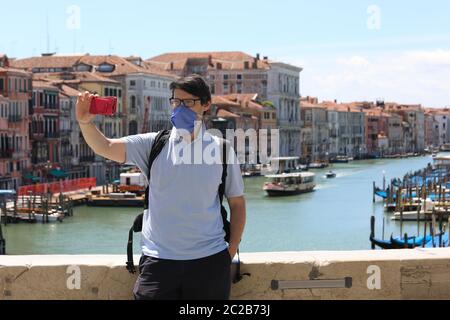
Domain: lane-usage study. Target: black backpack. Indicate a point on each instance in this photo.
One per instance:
(160, 141)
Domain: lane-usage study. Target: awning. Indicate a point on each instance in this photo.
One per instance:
(32, 178)
(58, 173)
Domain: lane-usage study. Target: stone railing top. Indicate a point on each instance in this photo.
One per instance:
(287, 257)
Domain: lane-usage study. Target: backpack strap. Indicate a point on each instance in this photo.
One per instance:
(223, 211)
(160, 141)
(226, 223)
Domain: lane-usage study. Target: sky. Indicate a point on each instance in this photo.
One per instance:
(350, 50)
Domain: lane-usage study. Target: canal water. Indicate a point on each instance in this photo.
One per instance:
(336, 216)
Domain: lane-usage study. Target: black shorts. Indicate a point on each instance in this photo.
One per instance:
(207, 278)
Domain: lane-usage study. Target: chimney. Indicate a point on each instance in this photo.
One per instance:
(257, 56)
(171, 66)
(266, 58)
(219, 66)
(210, 60)
(335, 100)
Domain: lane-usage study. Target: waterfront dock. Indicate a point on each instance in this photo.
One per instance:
(420, 196)
(48, 207)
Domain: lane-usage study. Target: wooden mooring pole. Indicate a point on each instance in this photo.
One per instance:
(448, 232)
(2, 242)
(5, 213)
(372, 230)
(373, 192)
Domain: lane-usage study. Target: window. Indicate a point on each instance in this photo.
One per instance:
(2, 84)
(225, 77)
(239, 76)
(106, 67)
(225, 87)
(239, 87)
(120, 93)
(106, 92)
(82, 67)
(133, 102)
(132, 83)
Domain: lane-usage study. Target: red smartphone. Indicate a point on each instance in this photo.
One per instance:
(103, 105)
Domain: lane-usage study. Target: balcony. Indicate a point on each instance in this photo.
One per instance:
(400, 275)
(14, 118)
(67, 154)
(52, 135)
(36, 135)
(6, 153)
(36, 160)
(87, 158)
(65, 132)
(18, 154)
(289, 123)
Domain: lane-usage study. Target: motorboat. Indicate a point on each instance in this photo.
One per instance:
(287, 184)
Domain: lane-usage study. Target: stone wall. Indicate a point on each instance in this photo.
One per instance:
(388, 274)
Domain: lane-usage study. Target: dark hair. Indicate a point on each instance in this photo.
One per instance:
(195, 85)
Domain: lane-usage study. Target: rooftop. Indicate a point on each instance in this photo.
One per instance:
(227, 59)
(121, 65)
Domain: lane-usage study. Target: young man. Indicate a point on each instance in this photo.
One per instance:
(184, 254)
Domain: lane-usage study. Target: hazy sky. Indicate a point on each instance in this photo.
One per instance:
(350, 50)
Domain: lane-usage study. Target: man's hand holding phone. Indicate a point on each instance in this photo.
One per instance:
(82, 109)
(89, 105)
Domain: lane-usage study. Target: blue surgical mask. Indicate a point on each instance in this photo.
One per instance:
(183, 118)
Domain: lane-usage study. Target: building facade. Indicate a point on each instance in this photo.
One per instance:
(238, 72)
(15, 148)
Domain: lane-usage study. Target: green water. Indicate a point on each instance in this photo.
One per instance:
(334, 217)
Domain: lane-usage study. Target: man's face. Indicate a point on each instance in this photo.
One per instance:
(191, 101)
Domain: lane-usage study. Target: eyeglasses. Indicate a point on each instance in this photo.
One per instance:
(190, 103)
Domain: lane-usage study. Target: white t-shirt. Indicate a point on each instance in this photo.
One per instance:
(183, 221)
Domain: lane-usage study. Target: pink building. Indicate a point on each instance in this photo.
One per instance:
(45, 128)
(15, 93)
(376, 130)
